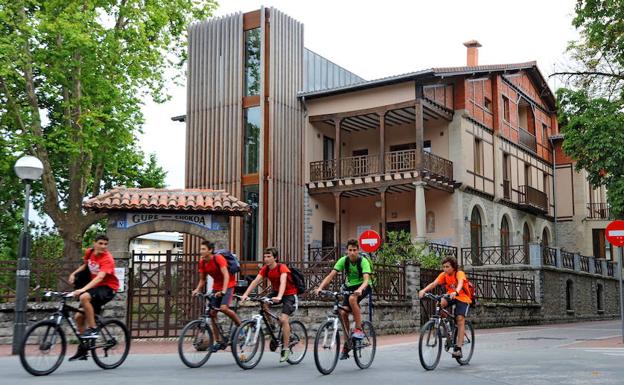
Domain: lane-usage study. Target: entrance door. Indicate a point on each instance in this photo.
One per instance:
(328, 234)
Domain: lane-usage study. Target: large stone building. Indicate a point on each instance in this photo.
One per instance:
(467, 156)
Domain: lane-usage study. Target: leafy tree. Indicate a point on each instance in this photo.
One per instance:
(590, 106)
(72, 75)
(11, 202)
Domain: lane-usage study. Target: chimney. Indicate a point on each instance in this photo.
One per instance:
(472, 57)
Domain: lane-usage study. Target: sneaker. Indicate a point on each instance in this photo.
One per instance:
(90, 334)
(457, 353)
(357, 334)
(81, 354)
(284, 355)
(345, 353)
(218, 346)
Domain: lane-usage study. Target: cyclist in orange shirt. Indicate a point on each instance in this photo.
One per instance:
(454, 280)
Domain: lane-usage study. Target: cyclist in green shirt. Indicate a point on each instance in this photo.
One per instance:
(358, 275)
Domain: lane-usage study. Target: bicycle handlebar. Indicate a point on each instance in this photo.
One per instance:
(335, 294)
(436, 298)
(65, 294)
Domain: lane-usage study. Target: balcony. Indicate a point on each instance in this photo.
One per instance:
(532, 199)
(527, 140)
(598, 211)
(433, 166)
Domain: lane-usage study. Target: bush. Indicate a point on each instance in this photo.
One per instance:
(400, 248)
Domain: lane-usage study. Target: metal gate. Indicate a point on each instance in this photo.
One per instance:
(159, 293)
(428, 307)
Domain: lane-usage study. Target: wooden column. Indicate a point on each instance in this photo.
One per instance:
(421, 210)
(420, 127)
(338, 223)
(382, 142)
(382, 193)
(337, 148)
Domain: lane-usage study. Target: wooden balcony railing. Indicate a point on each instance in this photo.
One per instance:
(598, 211)
(533, 198)
(527, 140)
(365, 165)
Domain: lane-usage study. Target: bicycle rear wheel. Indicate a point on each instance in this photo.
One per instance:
(248, 344)
(43, 348)
(113, 344)
(298, 342)
(194, 344)
(430, 345)
(468, 346)
(326, 347)
(364, 349)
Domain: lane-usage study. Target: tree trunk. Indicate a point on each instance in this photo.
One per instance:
(72, 249)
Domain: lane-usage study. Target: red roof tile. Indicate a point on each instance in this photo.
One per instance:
(123, 198)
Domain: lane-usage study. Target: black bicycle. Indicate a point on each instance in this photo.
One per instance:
(327, 341)
(442, 326)
(196, 340)
(248, 341)
(43, 348)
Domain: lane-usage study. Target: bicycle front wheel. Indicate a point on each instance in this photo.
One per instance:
(430, 345)
(364, 349)
(327, 347)
(43, 348)
(298, 342)
(468, 345)
(248, 344)
(194, 344)
(113, 344)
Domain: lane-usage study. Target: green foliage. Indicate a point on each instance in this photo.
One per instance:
(47, 245)
(400, 248)
(590, 108)
(11, 202)
(72, 75)
(92, 232)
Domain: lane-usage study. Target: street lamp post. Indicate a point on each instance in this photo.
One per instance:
(28, 169)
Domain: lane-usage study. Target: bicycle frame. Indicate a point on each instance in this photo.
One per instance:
(206, 317)
(264, 316)
(335, 318)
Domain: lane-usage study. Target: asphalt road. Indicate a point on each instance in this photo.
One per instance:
(561, 354)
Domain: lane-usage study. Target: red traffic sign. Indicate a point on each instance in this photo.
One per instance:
(615, 233)
(369, 241)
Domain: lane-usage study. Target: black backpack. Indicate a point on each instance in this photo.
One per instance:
(83, 277)
(298, 279)
(358, 265)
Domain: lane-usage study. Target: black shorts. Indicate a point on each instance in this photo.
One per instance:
(289, 303)
(461, 308)
(100, 296)
(365, 293)
(225, 299)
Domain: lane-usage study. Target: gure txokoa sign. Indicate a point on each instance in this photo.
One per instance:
(133, 219)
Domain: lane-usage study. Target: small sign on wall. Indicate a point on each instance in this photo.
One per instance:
(120, 273)
(134, 219)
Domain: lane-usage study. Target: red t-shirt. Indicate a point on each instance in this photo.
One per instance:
(213, 268)
(102, 262)
(274, 276)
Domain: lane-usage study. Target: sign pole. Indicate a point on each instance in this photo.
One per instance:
(620, 287)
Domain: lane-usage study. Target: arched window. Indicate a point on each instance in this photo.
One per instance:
(569, 295)
(526, 239)
(504, 239)
(599, 298)
(545, 237)
(476, 236)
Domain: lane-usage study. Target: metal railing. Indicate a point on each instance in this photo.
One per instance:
(610, 269)
(316, 254)
(323, 170)
(549, 256)
(532, 197)
(598, 266)
(494, 255)
(527, 139)
(567, 260)
(443, 250)
(598, 211)
(584, 263)
(498, 287)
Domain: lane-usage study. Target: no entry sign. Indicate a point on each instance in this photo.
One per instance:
(615, 233)
(369, 241)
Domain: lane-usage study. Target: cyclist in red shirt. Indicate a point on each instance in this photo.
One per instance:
(453, 279)
(223, 285)
(101, 290)
(284, 292)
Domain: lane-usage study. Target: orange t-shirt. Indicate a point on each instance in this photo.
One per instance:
(451, 282)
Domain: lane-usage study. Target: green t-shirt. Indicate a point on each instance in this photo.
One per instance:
(353, 275)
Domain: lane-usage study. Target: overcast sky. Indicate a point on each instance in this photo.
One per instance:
(380, 38)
